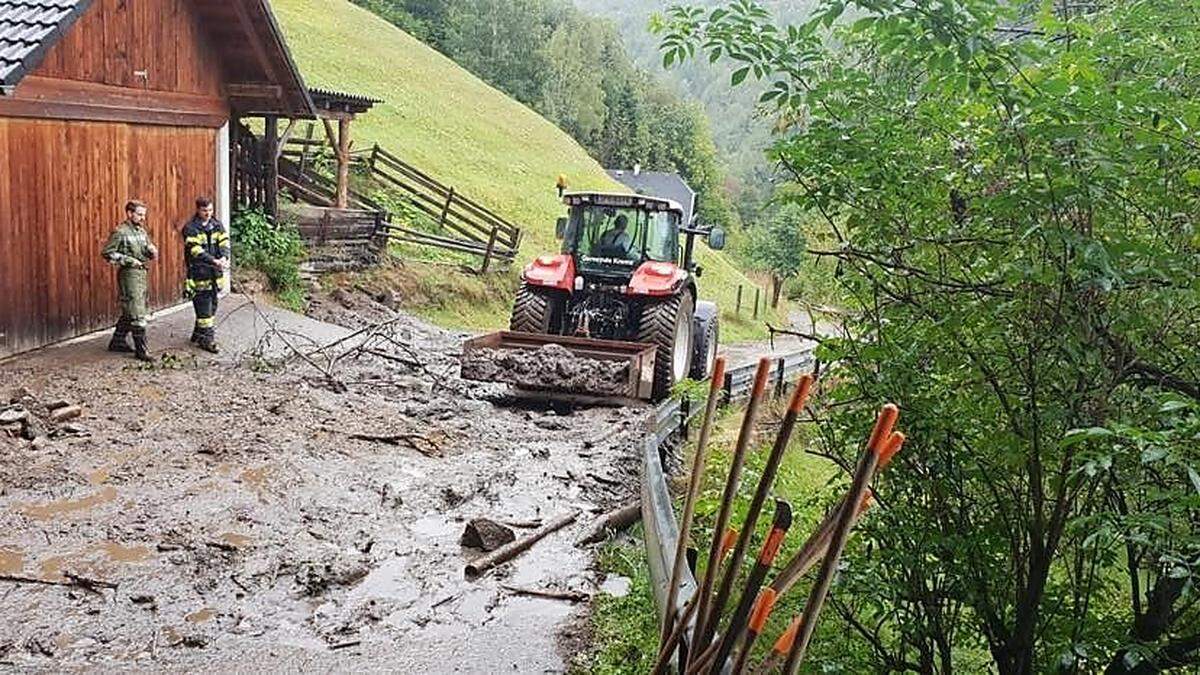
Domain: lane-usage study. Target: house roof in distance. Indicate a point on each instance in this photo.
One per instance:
(659, 184)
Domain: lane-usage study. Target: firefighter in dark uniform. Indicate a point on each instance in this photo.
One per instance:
(206, 249)
(130, 250)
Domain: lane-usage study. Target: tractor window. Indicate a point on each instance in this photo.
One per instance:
(622, 233)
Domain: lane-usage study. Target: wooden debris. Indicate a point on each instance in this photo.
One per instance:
(503, 554)
(417, 442)
(569, 596)
(66, 413)
(613, 521)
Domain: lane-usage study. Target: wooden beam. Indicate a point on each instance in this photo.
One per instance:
(268, 92)
(283, 141)
(331, 135)
(256, 44)
(271, 139)
(343, 181)
(50, 98)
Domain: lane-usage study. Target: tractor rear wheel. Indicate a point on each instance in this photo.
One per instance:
(668, 326)
(537, 311)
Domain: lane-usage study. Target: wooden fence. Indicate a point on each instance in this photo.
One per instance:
(340, 239)
(456, 222)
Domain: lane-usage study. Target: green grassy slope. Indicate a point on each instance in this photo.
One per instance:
(446, 121)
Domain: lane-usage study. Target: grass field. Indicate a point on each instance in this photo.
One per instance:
(449, 123)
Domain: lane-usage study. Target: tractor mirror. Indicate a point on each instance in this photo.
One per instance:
(560, 230)
(716, 239)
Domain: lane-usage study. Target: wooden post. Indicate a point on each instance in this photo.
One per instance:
(271, 169)
(304, 149)
(343, 151)
(738, 310)
(757, 293)
(374, 156)
(487, 254)
(446, 209)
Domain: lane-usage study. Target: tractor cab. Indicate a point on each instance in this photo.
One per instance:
(611, 236)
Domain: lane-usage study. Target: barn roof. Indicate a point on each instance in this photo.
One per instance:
(260, 75)
(28, 28)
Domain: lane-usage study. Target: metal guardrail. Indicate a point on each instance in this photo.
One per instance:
(671, 420)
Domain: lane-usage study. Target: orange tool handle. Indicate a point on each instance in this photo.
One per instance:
(800, 396)
(890, 448)
(762, 609)
(883, 427)
(784, 644)
(727, 544)
(771, 546)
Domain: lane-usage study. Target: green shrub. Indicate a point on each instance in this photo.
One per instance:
(273, 248)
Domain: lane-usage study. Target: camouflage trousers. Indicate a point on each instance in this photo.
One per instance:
(134, 290)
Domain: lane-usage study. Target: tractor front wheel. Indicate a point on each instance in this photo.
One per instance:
(537, 310)
(667, 325)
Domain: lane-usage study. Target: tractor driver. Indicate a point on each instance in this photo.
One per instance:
(616, 241)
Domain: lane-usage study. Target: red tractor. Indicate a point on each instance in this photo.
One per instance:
(622, 275)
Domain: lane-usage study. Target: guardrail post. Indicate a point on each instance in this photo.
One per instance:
(781, 379)
(757, 292)
(738, 309)
(685, 410)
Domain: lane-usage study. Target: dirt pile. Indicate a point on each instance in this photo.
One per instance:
(548, 367)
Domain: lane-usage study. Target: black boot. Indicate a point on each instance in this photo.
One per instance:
(139, 346)
(208, 341)
(119, 342)
(196, 335)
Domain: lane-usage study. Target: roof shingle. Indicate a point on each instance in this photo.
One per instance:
(27, 29)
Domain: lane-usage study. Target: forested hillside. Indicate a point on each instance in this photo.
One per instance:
(741, 134)
(574, 70)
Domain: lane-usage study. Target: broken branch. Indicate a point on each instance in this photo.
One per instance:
(507, 552)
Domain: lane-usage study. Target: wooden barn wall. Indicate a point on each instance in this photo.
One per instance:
(63, 185)
(116, 39)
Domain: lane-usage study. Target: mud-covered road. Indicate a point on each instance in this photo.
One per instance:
(220, 513)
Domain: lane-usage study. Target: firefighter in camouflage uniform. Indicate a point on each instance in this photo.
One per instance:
(206, 249)
(129, 249)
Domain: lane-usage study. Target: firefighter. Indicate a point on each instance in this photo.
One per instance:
(206, 249)
(129, 249)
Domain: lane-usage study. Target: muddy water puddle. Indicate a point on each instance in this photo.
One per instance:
(237, 540)
(125, 554)
(65, 507)
(201, 616)
(11, 561)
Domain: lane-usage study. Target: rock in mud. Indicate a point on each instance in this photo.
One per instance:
(551, 366)
(13, 415)
(486, 535)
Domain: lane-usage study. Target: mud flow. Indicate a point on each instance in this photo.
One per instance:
(295, 503)
(548, 367)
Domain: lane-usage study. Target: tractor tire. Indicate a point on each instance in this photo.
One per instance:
(668, 325)
(704, 358)
(537, 311)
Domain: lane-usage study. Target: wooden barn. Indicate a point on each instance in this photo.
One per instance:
(106, 100)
